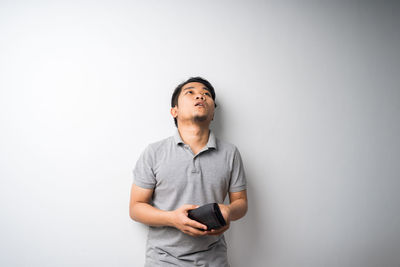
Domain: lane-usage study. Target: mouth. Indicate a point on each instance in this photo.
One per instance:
(199, 104)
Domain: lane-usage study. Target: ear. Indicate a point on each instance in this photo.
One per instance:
(174, 112)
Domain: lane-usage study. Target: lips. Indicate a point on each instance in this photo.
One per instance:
(199, 103)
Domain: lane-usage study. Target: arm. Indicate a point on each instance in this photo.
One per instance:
(238, 205)
(140, 210)
(232, 212)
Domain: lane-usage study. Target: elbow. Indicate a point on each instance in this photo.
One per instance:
(240, 210)
(136, 211)
(245, 208)
(131, 216)
(132, 213)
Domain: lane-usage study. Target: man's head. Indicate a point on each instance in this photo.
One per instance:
(194, 98)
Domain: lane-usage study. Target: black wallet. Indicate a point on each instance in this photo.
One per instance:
(209, 215)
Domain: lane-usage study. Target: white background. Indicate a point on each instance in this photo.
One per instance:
(309, 93)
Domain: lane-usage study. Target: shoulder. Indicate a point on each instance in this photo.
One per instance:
(226, 147)
(160, 145)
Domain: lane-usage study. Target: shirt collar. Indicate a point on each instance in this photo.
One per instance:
(212, 143)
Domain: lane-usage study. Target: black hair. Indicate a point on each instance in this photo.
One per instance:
(178, 89)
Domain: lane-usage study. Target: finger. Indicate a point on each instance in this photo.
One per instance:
(214, 234)
(196, 224)
(196, 232)
(189, 207)
(217, 232)
(188, 233)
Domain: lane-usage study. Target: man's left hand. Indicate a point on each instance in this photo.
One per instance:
(226, 214)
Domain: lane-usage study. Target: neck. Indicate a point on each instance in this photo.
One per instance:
(194, 135)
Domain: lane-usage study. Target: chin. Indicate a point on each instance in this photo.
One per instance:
(200, 118)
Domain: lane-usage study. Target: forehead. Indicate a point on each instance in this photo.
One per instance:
(194, 85)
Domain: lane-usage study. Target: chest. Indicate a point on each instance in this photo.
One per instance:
(209, 171)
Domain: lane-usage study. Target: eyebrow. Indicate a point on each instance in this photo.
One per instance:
(191, 87)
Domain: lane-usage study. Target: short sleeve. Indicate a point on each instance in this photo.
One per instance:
(238, 176)
(143, 175)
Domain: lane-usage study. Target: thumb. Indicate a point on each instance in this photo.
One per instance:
(190, 207)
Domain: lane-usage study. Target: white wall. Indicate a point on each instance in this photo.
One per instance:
(308, 92)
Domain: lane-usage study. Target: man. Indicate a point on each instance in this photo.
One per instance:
(183, 172)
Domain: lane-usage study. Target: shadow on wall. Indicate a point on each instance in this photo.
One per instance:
(217, 125)
(243, 237)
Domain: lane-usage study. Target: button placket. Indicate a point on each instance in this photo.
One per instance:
(195, 161)
(194, 170)
(189, 150)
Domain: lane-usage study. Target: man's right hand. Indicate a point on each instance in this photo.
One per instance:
(181, 221)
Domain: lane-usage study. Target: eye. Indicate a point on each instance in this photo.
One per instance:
(207, 94)
(187, 92)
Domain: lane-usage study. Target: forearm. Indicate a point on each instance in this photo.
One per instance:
(147, 214)
(237, 209)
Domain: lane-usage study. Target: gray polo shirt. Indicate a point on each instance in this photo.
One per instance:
(179, 177)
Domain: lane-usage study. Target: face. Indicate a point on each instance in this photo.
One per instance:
(194, 103)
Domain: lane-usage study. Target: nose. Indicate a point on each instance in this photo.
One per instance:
(200, 96)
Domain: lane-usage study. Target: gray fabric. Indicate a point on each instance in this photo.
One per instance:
(179, 177)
